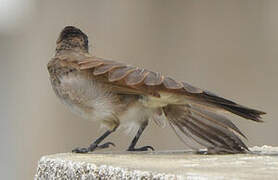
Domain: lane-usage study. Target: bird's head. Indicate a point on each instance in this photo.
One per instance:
(72, 38)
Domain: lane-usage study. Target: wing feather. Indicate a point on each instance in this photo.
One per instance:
(120, 73)
(152, 83)
(104, 68)
(154, 79)
(171, 83)
(136, 77)
(89, 65)
(191, 89)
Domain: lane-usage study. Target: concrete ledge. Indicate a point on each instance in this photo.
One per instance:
(261, 164)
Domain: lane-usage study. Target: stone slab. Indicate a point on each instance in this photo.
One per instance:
(262, 163)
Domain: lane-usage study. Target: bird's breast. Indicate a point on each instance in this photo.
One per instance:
(82, 94)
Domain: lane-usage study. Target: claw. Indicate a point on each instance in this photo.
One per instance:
(150, 147)
(80, 150)
(93, 147)
(106, 145)
(144, 148)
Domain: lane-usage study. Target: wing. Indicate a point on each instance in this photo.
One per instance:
(133, 78)
(128, 79)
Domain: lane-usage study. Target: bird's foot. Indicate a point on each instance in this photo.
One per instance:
(80, 150)
(144, 148)
(93, 147)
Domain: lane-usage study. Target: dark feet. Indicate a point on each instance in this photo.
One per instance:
(93, 147)
(144, 148)
(80, 150)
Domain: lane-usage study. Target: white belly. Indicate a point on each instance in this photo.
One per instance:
(85, 97)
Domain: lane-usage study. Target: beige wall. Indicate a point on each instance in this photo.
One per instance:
(227, 47)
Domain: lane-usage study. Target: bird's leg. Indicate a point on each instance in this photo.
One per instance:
(135, 139)
(95, 145)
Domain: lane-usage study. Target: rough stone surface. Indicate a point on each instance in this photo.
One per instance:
(262, 163)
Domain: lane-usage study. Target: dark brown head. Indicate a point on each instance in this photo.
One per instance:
(72, 38)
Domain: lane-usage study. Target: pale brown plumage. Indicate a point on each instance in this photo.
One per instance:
(192, 111)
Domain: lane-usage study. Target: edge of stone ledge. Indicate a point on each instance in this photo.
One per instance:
(58, 168)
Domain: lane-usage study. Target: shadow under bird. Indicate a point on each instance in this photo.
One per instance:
(120, 95)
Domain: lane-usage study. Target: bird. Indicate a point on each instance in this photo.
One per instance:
(119, 95)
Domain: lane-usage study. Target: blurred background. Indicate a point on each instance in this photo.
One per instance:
(227, 47)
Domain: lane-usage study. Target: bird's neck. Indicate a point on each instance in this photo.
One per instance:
(71, 54)
(70, 46)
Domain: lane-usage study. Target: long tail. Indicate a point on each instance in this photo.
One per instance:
(232, 107)
(206, 128)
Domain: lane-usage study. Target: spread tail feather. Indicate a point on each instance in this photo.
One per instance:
(206, 128)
